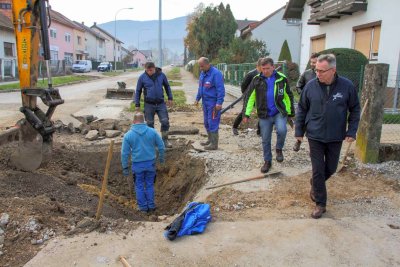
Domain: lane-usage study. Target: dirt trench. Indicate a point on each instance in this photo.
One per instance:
(63, 194)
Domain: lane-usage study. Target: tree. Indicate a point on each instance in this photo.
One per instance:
(285, 52)
(210, 29)
(241, 51)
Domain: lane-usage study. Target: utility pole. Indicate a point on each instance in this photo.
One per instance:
(160, 53)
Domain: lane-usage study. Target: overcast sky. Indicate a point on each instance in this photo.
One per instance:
(90, 11)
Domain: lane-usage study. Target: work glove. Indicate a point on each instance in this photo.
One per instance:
(125, 171)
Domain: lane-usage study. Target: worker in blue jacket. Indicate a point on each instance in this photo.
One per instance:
(212, 92)
(328, 113)
(152, 82)
(139, 145)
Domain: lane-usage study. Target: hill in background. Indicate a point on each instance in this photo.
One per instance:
(144, 34)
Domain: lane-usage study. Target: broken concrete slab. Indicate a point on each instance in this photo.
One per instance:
(106, 124)
(92, 135)
(182, 130)
(84, 129)
(112, 133)
(123, 125)
(102, 131)
(85, 119)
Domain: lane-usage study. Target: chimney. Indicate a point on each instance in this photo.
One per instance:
(83, 23)
(94, 23)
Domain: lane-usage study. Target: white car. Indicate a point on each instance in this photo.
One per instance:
(82, 66)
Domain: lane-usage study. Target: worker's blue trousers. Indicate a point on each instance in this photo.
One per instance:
(211, 116)
(144, 175)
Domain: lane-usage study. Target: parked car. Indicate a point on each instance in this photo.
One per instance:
(82, 66)
(104, 66)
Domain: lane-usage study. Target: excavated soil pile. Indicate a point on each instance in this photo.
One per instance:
(62, 196)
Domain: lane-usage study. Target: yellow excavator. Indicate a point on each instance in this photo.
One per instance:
(35, 132)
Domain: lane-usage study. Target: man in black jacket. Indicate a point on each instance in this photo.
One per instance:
(309, 74)
(244, 86)
(322, 116)
(270, 93)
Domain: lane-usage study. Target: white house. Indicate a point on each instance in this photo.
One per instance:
(8, 52)
(95, 44)
(274, 31)
(370, 27)
(109, 44)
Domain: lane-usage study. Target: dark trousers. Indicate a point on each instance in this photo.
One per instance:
(324, 161)
(238, 121)
(150, 110)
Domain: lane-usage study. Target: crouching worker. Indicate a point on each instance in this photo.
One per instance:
(140, 144)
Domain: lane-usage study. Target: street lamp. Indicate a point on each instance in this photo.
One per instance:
(138, 36)
(160, 60)
(115, 35)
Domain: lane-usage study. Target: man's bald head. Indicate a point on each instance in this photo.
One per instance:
(204, 64)
(138, 117)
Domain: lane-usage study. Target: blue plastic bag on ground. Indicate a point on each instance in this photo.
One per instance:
(193, 220)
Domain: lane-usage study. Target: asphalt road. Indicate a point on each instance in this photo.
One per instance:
(80, 98)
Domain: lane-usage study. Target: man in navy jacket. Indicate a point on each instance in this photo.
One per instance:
(152, 82)
(212, 92)
(322, 115)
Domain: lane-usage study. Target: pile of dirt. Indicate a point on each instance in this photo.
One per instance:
(351, 193)
(61, 197)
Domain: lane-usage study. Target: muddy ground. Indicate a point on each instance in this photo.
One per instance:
(63, 194)
(51, 210)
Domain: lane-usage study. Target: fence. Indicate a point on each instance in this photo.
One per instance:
(120, 65)
(57, 67)
(391, 116)
(234, 73)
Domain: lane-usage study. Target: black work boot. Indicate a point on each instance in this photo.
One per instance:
(317, 212)
(206, 143)
(265, 168)
(235, 131)
(164, 135)
(279, 155)
(213, 142)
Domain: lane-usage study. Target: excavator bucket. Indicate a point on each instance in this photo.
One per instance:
(120, 93)
(35, 132)
(28, 156)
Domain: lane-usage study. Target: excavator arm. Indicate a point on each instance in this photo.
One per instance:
(35, 133)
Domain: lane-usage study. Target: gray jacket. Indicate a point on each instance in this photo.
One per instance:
(305, 77)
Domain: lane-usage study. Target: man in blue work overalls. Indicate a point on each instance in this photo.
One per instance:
(139, 145)
(212, 92)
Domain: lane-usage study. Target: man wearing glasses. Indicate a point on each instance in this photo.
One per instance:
(322, 116)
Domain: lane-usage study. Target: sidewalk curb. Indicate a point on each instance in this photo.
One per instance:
(65, 84)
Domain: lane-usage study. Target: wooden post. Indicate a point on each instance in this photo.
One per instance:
(105, 180)
(370, 127)
(124, 262)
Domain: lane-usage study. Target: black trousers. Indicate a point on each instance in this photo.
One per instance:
(238, 121)
(324, 161)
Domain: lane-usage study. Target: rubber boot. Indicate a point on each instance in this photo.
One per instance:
(164, 135)
(206, 143)
(213, 142)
